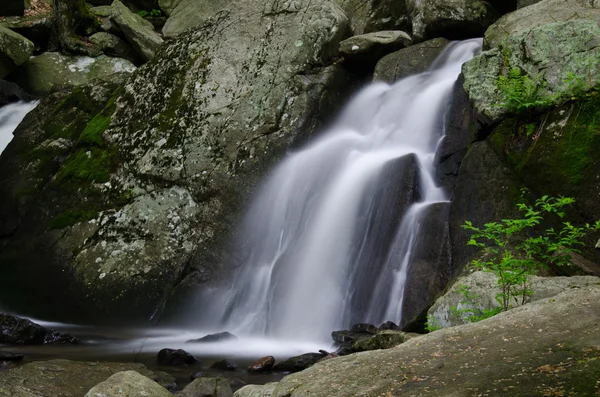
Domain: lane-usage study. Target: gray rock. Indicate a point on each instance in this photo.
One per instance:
(382, 340)
(53, 71)
(542, 13)
(218, 337)
(408, 61)
(62, 377)
(15, 50)
(453, 19)
(169, 160)
(376, 15)
(466, 360)
(128, 383)
(560, 60)
(372, 46)
(526, 3)
(189, 14)
(137, 31)
(266, 390)
(483, 287)
(208, 387)
(298, 363)
(114, 46)
(168, 6)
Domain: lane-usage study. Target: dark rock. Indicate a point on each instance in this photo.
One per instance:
(344, 336)
(389, 326)
(298, 363)
(225, 365)
(265, 364)
(12, 8)
(7, 356)
(37, 29)
(17, 330)
(166, 380)
(175, 357)
(344, 349)
(462, 128)
(408, 61)
(383, 340)
(431, 267)
(197, 375)
(219, 337)
(10, 92)
(364, 328)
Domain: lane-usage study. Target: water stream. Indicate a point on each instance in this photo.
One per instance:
(11, 116)
(328, 240)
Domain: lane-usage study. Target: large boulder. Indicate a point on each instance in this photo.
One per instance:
(16, 330)
(452, 19)
(554, 341)
(408, 61)
(15, 50)
(535, 70)
(128, 383)
(537, 14)
(53, 71)
(62, 377)
(266, 390)
(451, 309)
(168, 6)
(366, 49)
(556, 153)
(114, 46)
(141, 191)
(375, 15)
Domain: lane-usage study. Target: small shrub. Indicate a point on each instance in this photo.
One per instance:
(152, 13)
(513, 249)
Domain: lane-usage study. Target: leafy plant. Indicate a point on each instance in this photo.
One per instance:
(431, 324)
(470, 310)
(152, 13)
(521, 93)
(514, 249)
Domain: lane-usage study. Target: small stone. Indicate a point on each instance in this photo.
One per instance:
(175, 357)
(265, 364)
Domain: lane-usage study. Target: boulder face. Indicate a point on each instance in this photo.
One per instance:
(483, 289)
(152, 176)
(62, 377)
(453, 19)
(534, 13)
(535, 70)
(189, 14)
(15, 50)
(408, 61)
(466, 360)
(376, 15)
(128, 383)
(52, 71)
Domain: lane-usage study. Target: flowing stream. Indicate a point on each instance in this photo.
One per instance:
(328, 240)
(11, 116)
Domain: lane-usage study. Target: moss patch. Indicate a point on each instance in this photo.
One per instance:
(555, 152)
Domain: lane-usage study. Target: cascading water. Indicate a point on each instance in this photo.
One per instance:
(329, 239)
(10, 117)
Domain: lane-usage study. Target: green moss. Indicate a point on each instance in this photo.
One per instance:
(69, 218)
(553, 156)
(92, 134)
(92, 166)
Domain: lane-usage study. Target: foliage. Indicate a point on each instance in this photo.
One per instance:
(151, 13)
(521, 93)
(431, 324)
(470, 311)
(515, 249)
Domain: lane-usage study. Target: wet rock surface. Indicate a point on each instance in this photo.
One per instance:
(298, 363)
(264, 364)
(15, 330)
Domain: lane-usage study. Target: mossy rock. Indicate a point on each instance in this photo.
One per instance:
(383, 340)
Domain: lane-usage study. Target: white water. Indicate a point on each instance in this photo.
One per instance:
(308, 262)
(10, 117)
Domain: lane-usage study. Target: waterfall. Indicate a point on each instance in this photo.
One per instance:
(329, 238)
(10, 117)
